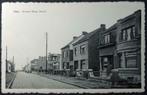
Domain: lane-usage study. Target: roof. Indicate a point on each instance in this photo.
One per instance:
(69, 43)
(87, 36)
(131, 16)
(114, 26)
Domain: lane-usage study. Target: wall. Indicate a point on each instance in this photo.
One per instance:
(80, 57)
(93, 52)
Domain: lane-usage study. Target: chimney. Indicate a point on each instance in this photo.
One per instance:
(74, 37)
(84, 33)
(103, 26)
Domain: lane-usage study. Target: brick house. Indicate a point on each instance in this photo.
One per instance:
(128, 47)
(120, 48)
(86, 56)
(67, 53)
(107, 50)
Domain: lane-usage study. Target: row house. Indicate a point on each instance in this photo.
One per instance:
(107, 50)
(128, 47)
(120, 48)
(86, 53)
(67, 53)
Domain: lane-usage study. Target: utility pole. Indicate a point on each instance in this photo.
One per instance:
(6, 60)
(46, 49)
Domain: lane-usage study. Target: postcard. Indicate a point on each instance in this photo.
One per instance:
(84, 47)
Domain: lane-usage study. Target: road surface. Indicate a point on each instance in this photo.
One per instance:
(33, 81)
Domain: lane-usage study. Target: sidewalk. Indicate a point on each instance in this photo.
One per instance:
(80, 82)
(10, 76)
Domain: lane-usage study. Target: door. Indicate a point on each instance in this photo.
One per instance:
(75, 65)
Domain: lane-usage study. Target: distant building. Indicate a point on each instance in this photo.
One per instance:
(42, 63)
(39, 64)
(54, 61)
(86, 56)
(27, 68)
(10, 66)
(34, 65)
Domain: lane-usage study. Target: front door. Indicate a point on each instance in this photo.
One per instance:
(107, 65)
(75, 65)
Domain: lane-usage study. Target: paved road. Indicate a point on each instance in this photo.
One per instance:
(28, 80)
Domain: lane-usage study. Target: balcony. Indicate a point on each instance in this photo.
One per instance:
(106, 45)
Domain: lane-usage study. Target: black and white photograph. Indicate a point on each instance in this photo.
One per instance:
(84, 47)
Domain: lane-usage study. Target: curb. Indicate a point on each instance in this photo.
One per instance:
(10, 84)
(64, 82)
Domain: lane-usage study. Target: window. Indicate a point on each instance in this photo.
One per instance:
(63, 54)
(107, 38)
(67, 65)
(131, 62)
(82, 49)
(128, 33)
(133, 32)
(66, 53)
(75, 51)
(124, 35)
(131, 58)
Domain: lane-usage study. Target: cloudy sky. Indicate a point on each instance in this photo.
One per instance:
(24, 25)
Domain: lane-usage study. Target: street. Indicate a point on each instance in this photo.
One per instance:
(29, 80)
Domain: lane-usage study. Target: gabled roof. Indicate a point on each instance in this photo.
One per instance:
(87, 36)
(69, 43)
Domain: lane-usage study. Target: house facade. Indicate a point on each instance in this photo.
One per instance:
(54, 61)
(67, 53)
(120, 48)
(107, 50)
(86, 56)
(128, 47)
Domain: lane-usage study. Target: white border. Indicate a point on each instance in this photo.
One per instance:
(142, 89)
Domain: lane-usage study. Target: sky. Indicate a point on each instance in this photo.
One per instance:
(24, 25)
